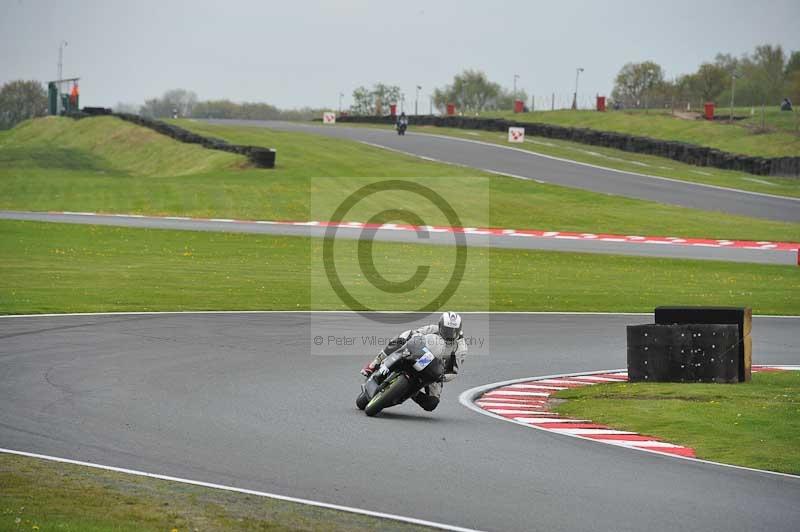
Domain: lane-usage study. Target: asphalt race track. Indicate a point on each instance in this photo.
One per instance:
(732, 254)
(559, 172)
(238, 399)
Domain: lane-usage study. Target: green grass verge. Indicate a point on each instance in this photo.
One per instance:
(774, 119)
(42, 495)
(750, 118)
(286, 192)
(75, 268)
(104, 146)
(627, 161)
(515, 203)
(734, 138)
(753, 425)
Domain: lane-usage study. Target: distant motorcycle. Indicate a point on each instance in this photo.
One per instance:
(401, 128)
(401, 375)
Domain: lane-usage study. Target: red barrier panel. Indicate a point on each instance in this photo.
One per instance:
(709, 110)
(601, 103)
(451, 109)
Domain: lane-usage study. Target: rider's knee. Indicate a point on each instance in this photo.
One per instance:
(427, 402)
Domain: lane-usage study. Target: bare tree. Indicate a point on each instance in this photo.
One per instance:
(130, 108)
(376, 100)
(709, 81)
(362, 101)
(181, 100)
(635, 81)
(175, 101)
(384, 95)
(471, 91)
(771, 63)
(793, 77)
(21, 100)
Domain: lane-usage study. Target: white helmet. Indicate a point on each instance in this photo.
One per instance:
(450, 326)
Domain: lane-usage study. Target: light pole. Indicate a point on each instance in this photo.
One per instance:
(516, 77)
(341, 95)
(416, 100)
(61, 47)
(734, 75)
(575, 96)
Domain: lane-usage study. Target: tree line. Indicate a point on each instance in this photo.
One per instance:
(763, 77)
(185, 104)
(471, 91)
(21, 100)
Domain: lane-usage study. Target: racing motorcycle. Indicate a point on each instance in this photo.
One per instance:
(401, 128)
(401, 375)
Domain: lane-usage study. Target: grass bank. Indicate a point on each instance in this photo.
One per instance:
(43, 495)
(773, 118)
(734, 138)
(318, 169)
(103, 146)
(73, 268)
(756, 424)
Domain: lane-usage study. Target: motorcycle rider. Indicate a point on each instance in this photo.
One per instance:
(402, 121)
(450, 332)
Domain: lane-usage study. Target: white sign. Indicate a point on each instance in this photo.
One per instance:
(516, 134)
(328, 118)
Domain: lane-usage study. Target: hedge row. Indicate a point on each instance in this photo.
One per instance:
(679, 151)
(260, 157)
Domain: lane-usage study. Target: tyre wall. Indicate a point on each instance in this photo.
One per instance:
(260, 157)
(678, 151)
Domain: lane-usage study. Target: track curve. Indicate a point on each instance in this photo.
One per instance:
(236, 399)
(529, 165)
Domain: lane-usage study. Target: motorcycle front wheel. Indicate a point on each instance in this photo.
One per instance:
(362, 400)
(392, 393)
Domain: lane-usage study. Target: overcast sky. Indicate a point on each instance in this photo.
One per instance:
(304, 53)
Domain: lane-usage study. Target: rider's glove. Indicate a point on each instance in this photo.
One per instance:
(369, 369)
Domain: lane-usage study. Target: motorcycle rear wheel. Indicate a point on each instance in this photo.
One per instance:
(391, 394)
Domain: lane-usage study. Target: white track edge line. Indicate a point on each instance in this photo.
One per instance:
(467, 397)
(308, 502)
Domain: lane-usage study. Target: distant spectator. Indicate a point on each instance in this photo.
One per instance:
(786, 105)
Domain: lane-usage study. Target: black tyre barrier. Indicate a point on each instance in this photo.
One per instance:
(678, 151)
(260, 157)
(683, 353)
(96, 111)
(742, 317)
